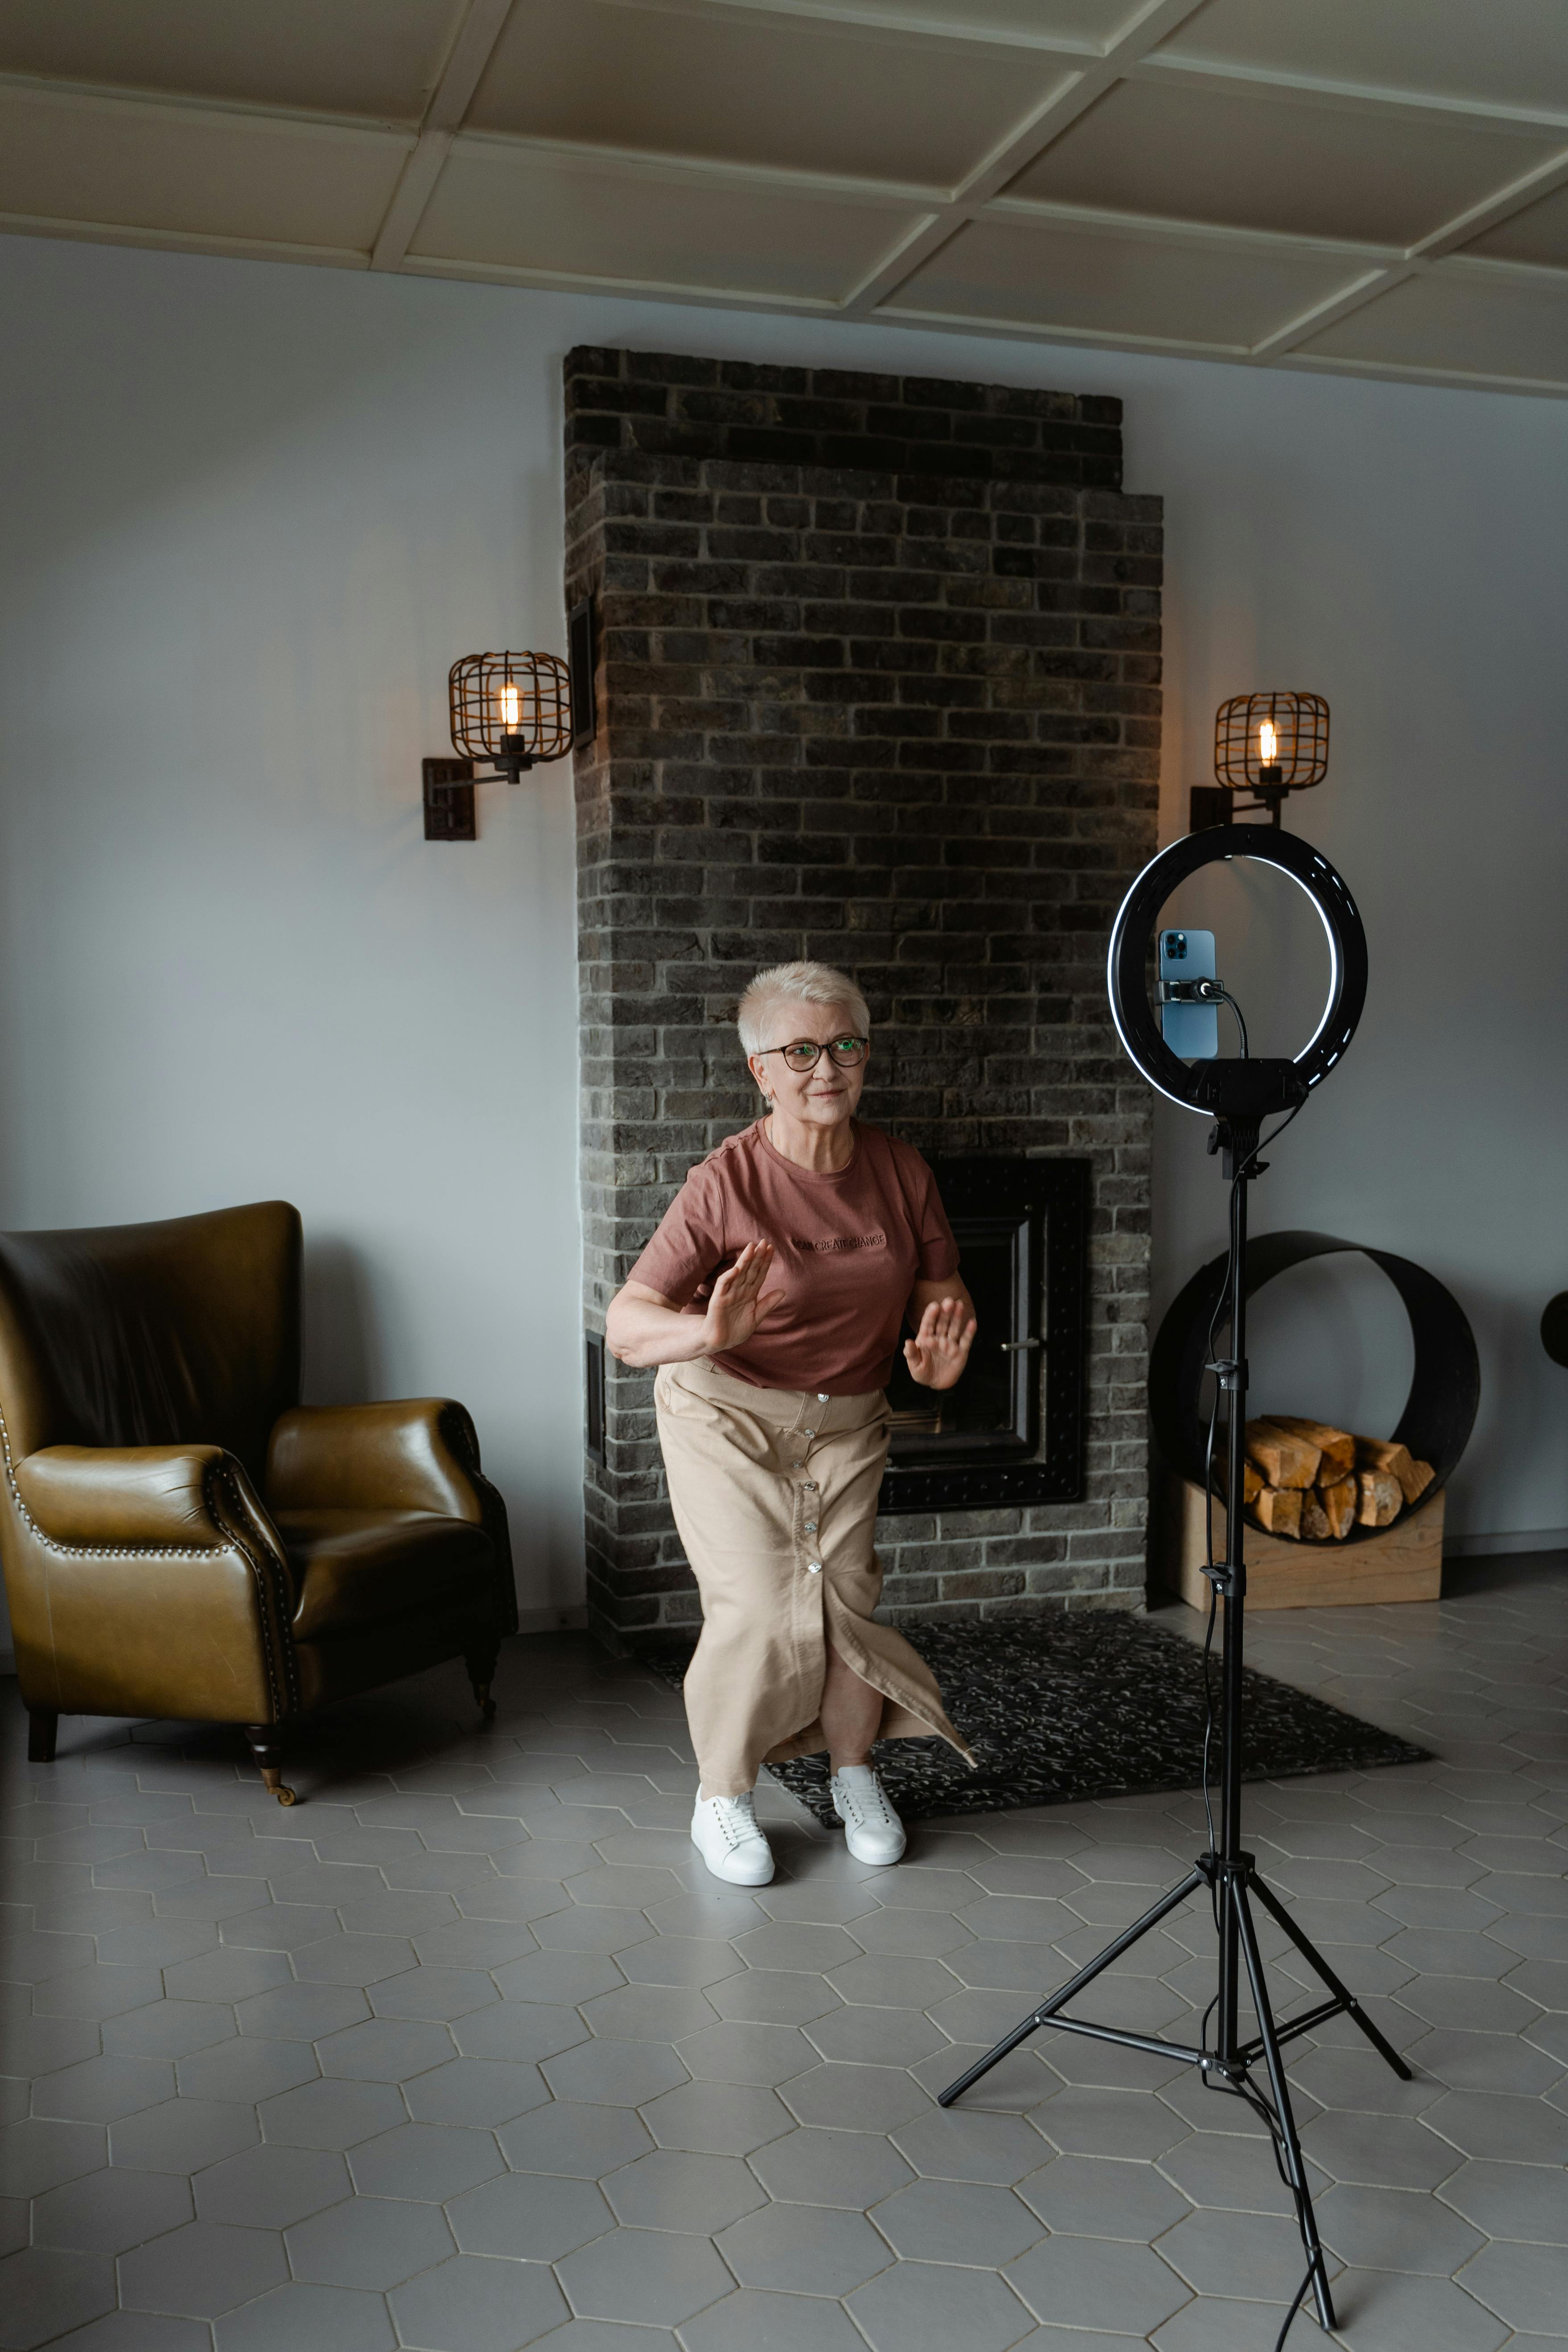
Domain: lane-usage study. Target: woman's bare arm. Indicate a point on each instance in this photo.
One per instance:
(643, 1328)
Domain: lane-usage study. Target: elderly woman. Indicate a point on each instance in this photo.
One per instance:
(772, 1298)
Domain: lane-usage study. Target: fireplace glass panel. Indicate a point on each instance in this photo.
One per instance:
(992, 1412)
(1011, 1431)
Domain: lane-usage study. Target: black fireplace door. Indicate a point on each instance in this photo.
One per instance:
(1012, 1428)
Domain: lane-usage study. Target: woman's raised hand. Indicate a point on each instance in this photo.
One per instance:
(739, 1302)
(940, 1348)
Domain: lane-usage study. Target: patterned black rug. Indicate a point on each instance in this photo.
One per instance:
(1086, 1705)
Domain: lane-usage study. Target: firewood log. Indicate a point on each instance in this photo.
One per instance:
(1340, 1502)
(1251, 1479)
(1336, 1446)
(1278, 1509)
(1284, 1460)
(1382, 1454)
(1381, 1500)
(1314, 1519)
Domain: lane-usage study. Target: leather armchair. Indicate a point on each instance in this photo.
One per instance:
(180, 1537)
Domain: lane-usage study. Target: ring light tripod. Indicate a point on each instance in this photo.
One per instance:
(1240, 1094)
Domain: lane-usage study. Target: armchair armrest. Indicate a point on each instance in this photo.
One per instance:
(148, 1579)
(123, 1496)
(416, 1454)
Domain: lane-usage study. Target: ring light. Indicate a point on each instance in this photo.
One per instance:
(1238, 1096)
(1236, 1090)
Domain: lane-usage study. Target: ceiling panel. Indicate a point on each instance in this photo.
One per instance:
(1304, 167)
(1514, 52)
(1459, 319)
(1111, 283)
(753, 88)
(379, 60)
(178, 170)
(518, 208)
(1073, 21)
(1539, 233)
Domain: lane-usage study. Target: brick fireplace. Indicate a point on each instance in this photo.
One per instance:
(877, 682)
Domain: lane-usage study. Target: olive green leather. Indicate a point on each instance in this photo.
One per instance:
(358, 1567)
(179, 1536)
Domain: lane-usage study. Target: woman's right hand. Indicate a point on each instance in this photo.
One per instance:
(739, 1302)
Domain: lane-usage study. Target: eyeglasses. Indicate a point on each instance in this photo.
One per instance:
(803, 1056)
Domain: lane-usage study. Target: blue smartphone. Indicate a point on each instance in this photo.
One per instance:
(1190, 1030)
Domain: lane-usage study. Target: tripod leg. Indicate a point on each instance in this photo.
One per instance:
(1315, 1960)
(1296, 2170)
(1046, 2010)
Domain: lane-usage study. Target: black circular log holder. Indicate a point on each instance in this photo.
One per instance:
(1444, 1387)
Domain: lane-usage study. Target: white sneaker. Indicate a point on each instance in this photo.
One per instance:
(724, 1831)
(872, 1831)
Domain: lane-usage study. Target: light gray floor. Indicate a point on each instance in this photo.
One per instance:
(466, 2053)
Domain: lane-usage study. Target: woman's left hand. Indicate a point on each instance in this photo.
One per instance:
(940, 1348)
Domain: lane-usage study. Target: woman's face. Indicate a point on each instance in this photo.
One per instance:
(826, 1095)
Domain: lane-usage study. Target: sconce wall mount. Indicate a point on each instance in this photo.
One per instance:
(1268, 744)
(514, 710)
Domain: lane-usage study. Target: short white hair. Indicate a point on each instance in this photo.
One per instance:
(798, 983)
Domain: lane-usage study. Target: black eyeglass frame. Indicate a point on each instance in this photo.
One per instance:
(796, 1042)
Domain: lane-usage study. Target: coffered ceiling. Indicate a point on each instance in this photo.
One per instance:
(1371, 187)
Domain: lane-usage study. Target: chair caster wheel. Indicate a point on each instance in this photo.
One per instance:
(285, 1796)
(487, 1704)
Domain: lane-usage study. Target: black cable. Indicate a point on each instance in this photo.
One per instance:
(1299, 2299)
(1225, 997)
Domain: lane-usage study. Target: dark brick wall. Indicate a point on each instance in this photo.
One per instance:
(879, 683)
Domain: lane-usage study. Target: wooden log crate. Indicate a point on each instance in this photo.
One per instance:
(1401, 1562)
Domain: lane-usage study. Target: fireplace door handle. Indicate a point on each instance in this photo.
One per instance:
(1017, 1347)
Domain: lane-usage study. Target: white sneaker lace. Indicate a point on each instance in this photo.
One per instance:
(869, 1804)
(736, 1818)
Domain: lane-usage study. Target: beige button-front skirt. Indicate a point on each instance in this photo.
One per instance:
(774, 1492)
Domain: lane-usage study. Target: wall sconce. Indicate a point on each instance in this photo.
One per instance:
(1268, 744)
(514, 710)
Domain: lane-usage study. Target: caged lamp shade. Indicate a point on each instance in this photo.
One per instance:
(1271, 742)
(513, 709)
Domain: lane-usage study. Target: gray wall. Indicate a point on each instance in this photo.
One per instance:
(251, 513)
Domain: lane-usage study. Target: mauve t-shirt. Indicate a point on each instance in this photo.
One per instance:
(848, 1248)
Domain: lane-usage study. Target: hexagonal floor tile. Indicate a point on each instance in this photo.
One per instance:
(830, 2168)
(202, 2269)
(44, 2291)
(1097, 2282)
(717, 2118)
(306, 2318)
(958, 2222)
(269, 2186)
(474, 2303)
(369, 2242)
(580, 2143)
(651, 2276)
(428, 2161)
(803, 2250)
(529, 2216)
(929, 2307)
(671, 2189)
(107, 2213)
(856, 2098)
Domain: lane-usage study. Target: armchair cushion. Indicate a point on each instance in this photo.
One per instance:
(357, 1568)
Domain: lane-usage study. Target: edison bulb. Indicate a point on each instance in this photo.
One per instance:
(1268, 743)
(510, 709)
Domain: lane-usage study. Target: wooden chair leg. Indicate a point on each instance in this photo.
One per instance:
(42, 1728)
(266, 1749)
(482, 1666)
